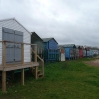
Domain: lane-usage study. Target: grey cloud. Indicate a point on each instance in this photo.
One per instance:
(68, 21)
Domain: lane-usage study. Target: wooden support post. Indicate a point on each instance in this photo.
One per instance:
(36, 72)
(22, 76)
(22, 53)
(22, 61)
(4, 81)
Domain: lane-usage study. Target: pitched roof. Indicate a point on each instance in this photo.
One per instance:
(48, 39)
(79, 46)
(16, 21)
(68, 45)
(33, 33)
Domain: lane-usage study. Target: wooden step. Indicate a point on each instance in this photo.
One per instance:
(40, 75)
(39, 72)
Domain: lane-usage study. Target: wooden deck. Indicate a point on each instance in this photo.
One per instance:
(16, 66)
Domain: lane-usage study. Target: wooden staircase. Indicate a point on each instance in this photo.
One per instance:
(38, 72)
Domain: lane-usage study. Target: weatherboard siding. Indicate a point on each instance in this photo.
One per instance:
(67, 52)
(12, 24)
(52, 44)
(45, 45)
(84, 53)
(51, 51)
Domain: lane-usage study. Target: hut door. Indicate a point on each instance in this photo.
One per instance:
(13, 50)
(8, 35)
(18, 38)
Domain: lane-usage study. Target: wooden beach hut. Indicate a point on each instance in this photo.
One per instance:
(77, 51)
(51, 52)
(84, 51)
(70, 50)
(81, 52)
(15, 50)
(61, 53)
(35, 39)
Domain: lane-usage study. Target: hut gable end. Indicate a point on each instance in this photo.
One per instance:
(50, 43)
(14, 25)
(35, 39)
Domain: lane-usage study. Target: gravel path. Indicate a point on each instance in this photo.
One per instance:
(93, 63)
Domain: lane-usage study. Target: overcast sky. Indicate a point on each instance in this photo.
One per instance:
(68, 21)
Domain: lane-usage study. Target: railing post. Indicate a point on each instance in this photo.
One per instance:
(35, 59)
(22, 53)
(35, 56)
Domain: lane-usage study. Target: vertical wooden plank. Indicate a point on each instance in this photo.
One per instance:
(4, 81)
(4, 53)
(35, 59)
(31, 53)
(38, 51)
(22, 77)
(36, 72)
(22, 53)
(35, 56)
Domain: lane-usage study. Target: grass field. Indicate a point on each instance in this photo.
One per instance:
(63, 80)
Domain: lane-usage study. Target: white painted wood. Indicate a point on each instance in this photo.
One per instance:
(13, 24)
(62, 54)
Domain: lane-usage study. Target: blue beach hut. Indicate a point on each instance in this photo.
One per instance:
(51, 52)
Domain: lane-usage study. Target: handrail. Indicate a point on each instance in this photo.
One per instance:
(41, 61)
(22, 51)
(38, 56)
(19, 43)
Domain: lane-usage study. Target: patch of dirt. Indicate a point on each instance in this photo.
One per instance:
(93, 63)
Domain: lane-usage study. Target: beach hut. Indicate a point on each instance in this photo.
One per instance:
(94, 51)
(81, 51)
(70, 50)
(77, 51)
(87, 51)
(61, 53)
(84, 51)
(15, 49)
(51, 52)
(35, 39)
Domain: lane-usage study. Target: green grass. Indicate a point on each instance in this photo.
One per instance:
(63, 80)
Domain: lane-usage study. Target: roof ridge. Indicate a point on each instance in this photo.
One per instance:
(16, 21)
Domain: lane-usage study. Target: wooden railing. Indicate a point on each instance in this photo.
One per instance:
(22, 51)
(4, 64)
(42, 65)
